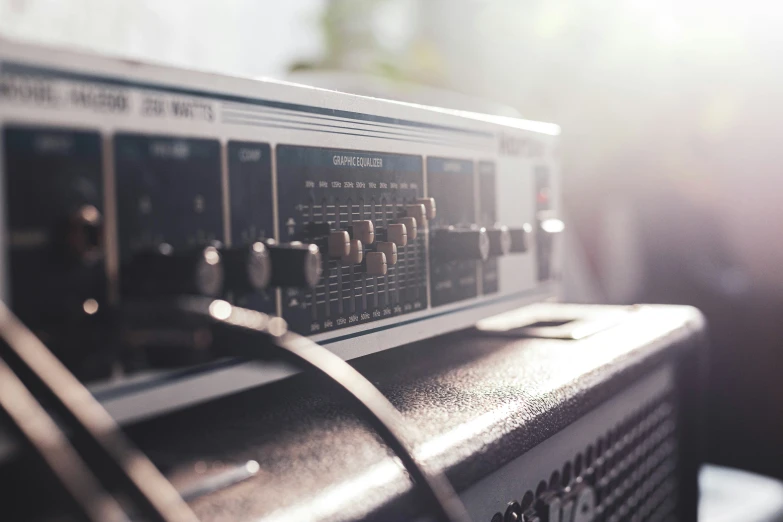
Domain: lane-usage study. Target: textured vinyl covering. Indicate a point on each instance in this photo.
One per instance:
(473, 401)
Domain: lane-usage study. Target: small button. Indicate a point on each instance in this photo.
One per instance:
(364, 231)
(355, 254)
(389, 249)
(410, 227)
(429, 206)
(339, 244)
(375, 264)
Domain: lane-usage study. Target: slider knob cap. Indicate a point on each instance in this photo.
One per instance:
(389, 250)
(355, 253)
(375, 264)
(411, 229)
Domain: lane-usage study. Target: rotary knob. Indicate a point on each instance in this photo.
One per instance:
(166, 272)
(294, 265)
(375, 264)
(417, 212)
(499, 241)
(248, 269)
(520, 238)
(362, 230)
(411, 228)
(429, 207)
(461, 244)
(355, 253)
(389, 250)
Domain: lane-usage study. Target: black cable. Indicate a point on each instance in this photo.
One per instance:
(45, 437)
(238, 332)
(153, 495)
(248, 334)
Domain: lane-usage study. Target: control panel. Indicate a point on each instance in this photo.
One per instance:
(363, 223)
(363, 211)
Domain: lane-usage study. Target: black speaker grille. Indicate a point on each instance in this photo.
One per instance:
(629, 473)
(635, 476)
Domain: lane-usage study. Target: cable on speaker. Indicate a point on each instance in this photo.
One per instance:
(238, 332)
(105, 448)
(249, 334)
(45, 437)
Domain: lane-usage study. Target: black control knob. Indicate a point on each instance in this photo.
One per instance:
(520, 238)
(499, 241)
(294, 265)
(461, 244)
(166, 272)
(248, 268)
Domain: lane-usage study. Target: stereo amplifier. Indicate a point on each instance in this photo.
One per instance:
(597, 420)
(365, 224)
